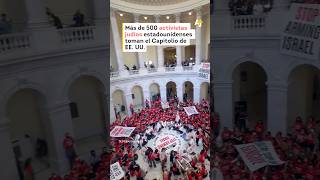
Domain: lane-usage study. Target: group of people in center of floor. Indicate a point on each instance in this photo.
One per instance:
(149, 123)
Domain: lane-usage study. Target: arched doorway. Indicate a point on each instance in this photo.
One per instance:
(303, 93)
(28, 124)
(137, 97)
(249, 94)
(205, 91)
(171, 90)
(87, 112)
(187, 91)
(154, 91)
(118, 101)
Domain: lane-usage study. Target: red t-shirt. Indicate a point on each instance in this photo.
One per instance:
(68, 143)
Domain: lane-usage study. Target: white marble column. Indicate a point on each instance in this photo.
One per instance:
(280, 4)
(117, 43)
(160, 53)
(163, 93)
(100, 11)
(60, 122)
(178, 48)
(36, 14)
(277, 107)
(146, 94)
(179, 89)
(221, 6)
(9, 167)
(223, 102)
(38, 25)
(112, 113)
(196, 94)
(198, 39)
(141, 55)
(101, 22)
(128, 96)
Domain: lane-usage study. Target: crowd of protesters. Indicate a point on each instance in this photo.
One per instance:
(149, 122)
(299, 149)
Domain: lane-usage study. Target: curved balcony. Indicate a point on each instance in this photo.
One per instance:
(49, 40)
(13, 42)
(249, 22)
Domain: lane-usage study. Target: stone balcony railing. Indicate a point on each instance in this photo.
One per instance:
(159, 71)
(248, 22)
(13, 42)
(133, 72)
(75, 35)
(152, 70)
(170, 69)
(114, 74)
(187, 68)
(49, 40)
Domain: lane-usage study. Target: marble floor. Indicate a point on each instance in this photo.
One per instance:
(83, 147)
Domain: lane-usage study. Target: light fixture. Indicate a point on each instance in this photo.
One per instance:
(145, 18)
(121, 14)
(168, 17)
(190, 13)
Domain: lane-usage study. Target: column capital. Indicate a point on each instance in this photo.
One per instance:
(136, 17)
(198, 12)
(157, 18)
(113, 12)
(178, 17)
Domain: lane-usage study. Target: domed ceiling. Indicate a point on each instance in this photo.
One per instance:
(155, 2)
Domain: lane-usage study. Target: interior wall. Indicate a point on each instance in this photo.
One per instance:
(190, 51)
(86, 93)
(138, 96)
(66, 9)
(24, 115)
(154, 89)
(169, 55)
(204, 91)
(129, 58)
(16, 11)
(113, 57)
(151, 54)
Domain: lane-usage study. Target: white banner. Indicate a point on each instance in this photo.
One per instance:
(121, 131)
(165, 105)
(204, 71)
(116, 172)
(259, 154)
(301, 35)
(177, 116)
(190, 110)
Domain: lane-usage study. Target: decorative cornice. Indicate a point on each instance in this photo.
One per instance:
(156, 9)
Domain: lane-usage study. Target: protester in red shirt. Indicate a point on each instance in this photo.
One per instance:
(68, 144)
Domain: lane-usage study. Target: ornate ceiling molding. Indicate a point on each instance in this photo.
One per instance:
(153, 7)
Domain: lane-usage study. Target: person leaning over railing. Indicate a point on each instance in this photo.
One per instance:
(5, 24)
